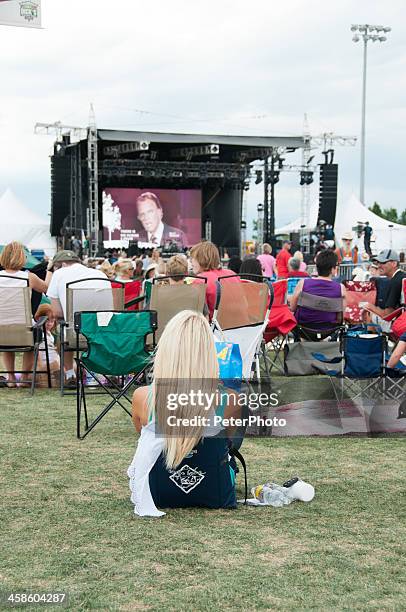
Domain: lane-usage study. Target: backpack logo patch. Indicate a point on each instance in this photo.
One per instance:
(187, 478)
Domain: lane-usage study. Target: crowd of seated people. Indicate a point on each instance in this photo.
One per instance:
(180, 358)
(138, 272)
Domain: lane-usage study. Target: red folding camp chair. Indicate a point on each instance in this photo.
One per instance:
(281, 321)
(132, 290)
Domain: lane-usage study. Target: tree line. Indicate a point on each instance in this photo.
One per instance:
(390, 214)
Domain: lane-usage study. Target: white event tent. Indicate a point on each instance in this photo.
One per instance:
(352, 211)
(348, 214)
(20, 223)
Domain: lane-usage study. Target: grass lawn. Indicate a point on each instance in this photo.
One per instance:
(68, 524)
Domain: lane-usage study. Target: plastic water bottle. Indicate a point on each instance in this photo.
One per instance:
(270, 495)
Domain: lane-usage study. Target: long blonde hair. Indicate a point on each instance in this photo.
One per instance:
(185, 359)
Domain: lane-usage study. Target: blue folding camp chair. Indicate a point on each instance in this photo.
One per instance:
(293, 282)
(360, 369)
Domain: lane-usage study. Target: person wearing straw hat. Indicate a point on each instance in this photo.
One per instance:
(347, 253)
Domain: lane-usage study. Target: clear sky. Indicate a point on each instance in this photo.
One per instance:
(225, 66)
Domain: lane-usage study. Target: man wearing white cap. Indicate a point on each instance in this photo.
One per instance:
(347, 253)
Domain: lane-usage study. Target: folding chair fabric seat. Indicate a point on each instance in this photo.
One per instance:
(318, 316)
(16, 318)
(241, 315)
(281, 322)
(116, 348)
(132, 290)
(18, 332)
(293, 281)
(167, 300)
(90, 294)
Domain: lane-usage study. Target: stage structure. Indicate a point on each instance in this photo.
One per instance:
(110, 166)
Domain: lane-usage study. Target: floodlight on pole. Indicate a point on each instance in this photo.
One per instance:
(364, 32)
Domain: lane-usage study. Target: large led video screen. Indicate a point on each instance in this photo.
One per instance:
(152, 217)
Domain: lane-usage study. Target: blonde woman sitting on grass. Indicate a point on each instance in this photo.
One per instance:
(185, 360)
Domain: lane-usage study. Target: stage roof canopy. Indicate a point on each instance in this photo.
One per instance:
(196, 139)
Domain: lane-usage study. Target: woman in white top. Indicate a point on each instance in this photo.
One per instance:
(12, 259)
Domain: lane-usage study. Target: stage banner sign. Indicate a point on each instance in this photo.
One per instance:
(23, 13)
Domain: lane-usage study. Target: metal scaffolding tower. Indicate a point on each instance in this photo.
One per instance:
(75, 191)
(306, 154)
(93, 230)
(243, 223)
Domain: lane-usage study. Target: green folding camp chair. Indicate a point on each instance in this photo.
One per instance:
(116, 347)
(84, 295)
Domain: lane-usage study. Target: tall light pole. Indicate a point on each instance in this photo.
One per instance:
(375, 33)
(260, 226)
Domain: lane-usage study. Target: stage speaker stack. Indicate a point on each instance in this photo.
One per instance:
(295, 239)
(60, 192)
(328, 193)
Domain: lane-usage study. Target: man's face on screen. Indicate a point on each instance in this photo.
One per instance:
(149, 215)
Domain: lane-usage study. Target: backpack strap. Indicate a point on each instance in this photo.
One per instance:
(236, 453)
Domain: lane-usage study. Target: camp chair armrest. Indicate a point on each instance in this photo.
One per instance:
(40, 323)
(324, 370)
(136, 300)
(321, 357)
(393, 315)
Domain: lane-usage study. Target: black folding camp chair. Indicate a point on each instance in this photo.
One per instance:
(117, 357)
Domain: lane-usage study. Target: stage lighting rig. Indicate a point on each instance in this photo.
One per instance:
(328, 156)
(215, 174)
(256, 153)
(306, 177)
(272, 176)
(200, 151)
(258, 179)
(126, 147)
